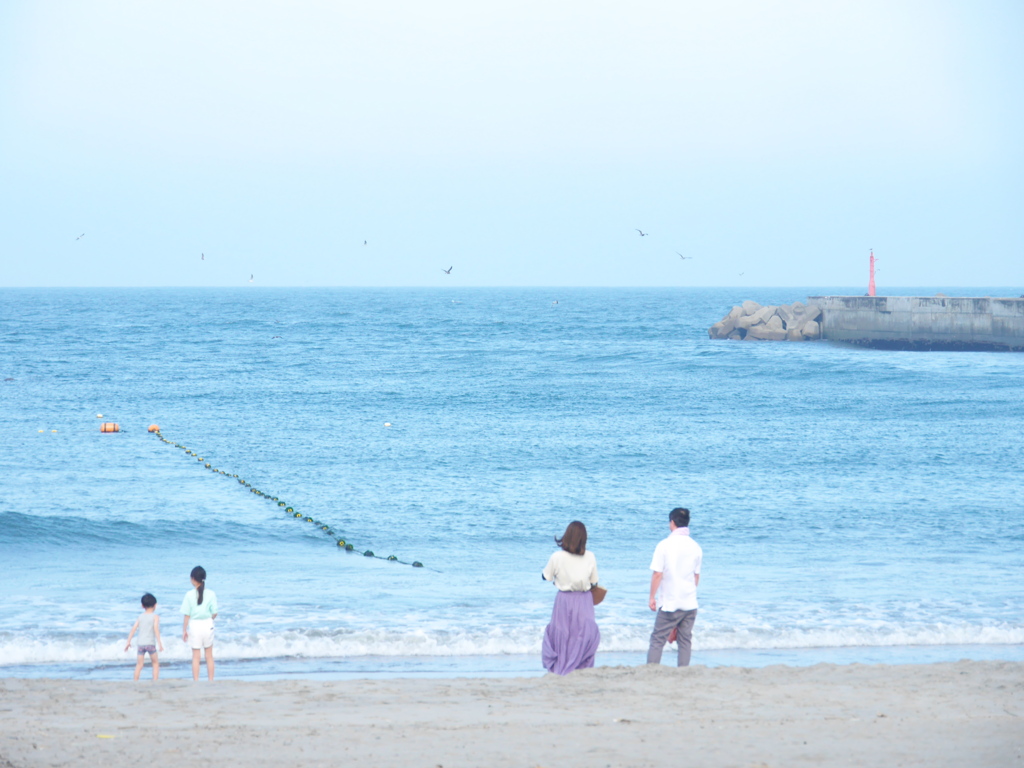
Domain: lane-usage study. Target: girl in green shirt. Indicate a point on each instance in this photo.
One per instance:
(200, 609)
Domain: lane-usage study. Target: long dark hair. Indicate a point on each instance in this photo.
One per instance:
(574, 540)
(199, 574)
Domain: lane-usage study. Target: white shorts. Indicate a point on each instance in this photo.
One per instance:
(200, 633)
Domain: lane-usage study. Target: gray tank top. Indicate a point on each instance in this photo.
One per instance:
(146, 634)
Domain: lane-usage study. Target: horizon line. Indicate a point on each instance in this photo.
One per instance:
(490, 287)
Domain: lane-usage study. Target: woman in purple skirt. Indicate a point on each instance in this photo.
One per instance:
(571, 639)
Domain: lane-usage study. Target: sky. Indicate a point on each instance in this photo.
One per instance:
(519, 142)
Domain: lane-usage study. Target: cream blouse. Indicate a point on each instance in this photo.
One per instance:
(571, 573)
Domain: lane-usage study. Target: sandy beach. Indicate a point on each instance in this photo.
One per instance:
(961, 714)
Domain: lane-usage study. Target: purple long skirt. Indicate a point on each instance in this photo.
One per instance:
(572, 637)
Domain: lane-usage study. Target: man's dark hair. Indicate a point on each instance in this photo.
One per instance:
(148, 601)
(680, 516)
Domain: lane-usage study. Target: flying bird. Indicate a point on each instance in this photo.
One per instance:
(742, 274)
(80, 236)
(250, 278)
(684, 258)
(202, 257)
(642, 233)
(447, 271)
(364, 242)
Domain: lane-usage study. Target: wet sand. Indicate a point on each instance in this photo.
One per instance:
(965, 714)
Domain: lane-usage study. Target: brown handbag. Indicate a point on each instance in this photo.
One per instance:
(598, 594)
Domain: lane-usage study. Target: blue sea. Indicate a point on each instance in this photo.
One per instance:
(853, 504)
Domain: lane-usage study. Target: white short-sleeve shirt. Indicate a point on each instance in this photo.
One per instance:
(571, 573)
(677, 558)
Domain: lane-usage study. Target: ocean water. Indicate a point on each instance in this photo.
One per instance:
(853, 505)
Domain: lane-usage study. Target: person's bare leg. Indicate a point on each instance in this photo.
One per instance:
(138, 666)
(155, 661)
(195, 663)
(209, 662)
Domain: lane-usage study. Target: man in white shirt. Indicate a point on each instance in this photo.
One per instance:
(676, 567)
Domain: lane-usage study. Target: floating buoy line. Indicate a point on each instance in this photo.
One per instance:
(325, 528)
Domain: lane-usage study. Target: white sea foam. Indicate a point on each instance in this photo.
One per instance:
(15, 651)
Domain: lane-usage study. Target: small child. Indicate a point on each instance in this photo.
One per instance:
(148, 627)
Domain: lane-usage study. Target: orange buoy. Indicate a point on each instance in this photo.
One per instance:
(109, 426)
(154, 428)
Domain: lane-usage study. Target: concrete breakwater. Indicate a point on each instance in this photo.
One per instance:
(752, 322)
(884, 322)
(924, 322)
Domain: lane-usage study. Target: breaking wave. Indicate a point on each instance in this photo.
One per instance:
(313, 644)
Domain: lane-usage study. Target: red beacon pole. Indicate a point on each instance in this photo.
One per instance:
(871, 279)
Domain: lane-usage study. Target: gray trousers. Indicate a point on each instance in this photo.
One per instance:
(663, 626)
